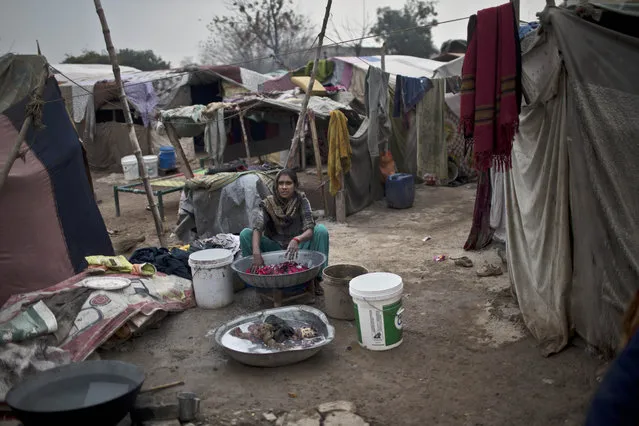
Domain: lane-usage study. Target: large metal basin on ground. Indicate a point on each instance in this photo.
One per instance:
(312, 259)
(263, 356)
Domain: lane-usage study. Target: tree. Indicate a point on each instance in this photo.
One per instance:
(255, 29)
(393, 26)
(144, 60)
(187, 61)
(349, 30)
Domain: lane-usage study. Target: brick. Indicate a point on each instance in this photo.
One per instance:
(344, 418)
(329, 407)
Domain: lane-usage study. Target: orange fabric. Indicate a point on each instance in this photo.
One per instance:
(386, 165)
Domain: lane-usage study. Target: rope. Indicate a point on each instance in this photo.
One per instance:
(35, 110)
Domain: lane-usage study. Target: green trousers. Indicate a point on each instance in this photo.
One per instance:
(319, 242)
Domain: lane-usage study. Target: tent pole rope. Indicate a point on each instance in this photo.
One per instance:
(302, 117)
(129, 122)
(33, 117)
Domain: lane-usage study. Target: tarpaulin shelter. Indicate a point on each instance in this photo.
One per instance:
(571, 195)
(92, 99)
(50, 220)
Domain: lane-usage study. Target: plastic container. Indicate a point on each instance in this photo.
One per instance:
(151, 165)
(212, 278)
(378, 310)
(130, 167)
(400, 191)
(338, 302)
(167, 158)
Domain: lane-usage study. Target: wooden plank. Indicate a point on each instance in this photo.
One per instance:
(318, 159)
(340, 202)
(245, 139)
(175, 141)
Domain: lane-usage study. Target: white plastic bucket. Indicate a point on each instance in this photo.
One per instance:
(378, 310)
(212, 277)
(151, 165)
(130, 167)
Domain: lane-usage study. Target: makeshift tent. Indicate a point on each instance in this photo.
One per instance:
(571, 196)
(50, 220)
(92, 99)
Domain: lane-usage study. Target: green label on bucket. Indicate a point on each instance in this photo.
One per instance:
(393, 326)
(357, 324)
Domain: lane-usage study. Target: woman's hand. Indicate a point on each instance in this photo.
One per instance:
(293, 249)
(258, 262)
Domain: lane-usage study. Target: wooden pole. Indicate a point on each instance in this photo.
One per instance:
(516, 5)
(340, 201)
(245, 139)
(129, 121)
(384, 57)
(318, 158)
(26, 125)
(303, 149)
(307, 96)
(175, 141)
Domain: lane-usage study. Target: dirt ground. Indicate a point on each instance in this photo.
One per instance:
(466, 359)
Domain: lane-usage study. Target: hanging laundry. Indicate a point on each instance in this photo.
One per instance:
(413, 90)
(409, 91)
(398, 100)
(339, 149)
(432, 151)
(490, 106)
(142, 96)
(377, 104)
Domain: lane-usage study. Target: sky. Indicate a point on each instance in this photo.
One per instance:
(174, 29)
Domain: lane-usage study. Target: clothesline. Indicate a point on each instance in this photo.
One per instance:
(189, 72)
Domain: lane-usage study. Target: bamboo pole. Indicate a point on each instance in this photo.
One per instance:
(300, 120)
(175, 141)
(129, 121)
(318, 158)
(245, 139)
(26, 125)
(340, 201)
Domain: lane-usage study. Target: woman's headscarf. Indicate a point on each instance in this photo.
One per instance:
(282, 210)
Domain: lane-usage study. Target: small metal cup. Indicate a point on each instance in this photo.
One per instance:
(188, 406)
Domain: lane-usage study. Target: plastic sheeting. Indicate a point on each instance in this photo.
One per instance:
(603, 100)
(573, 166)
(206, 212)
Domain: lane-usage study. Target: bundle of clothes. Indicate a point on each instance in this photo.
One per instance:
(147, 261)
(276, 333)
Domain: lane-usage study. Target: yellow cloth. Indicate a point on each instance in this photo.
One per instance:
(339, 149)
(118, 264)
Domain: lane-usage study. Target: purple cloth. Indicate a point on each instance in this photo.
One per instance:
(347, 75)
(143, 97)
(280, 84)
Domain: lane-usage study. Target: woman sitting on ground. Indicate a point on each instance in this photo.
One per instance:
(284, 222)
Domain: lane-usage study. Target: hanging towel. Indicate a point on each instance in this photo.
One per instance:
(339, 149)
(432, 151)
(490, 106)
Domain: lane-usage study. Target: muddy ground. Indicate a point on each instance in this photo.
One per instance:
(466, 359)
